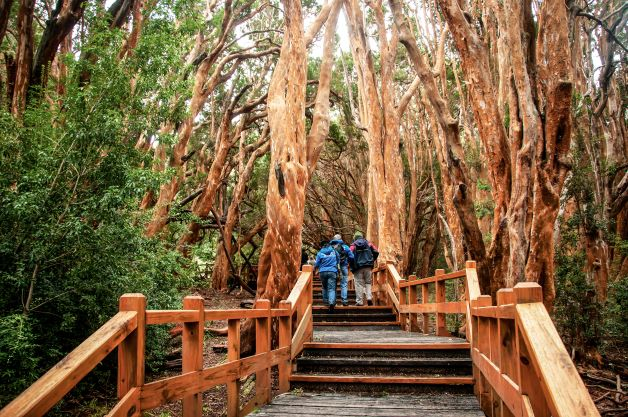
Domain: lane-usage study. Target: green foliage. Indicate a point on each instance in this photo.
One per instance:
(484, 208)
(70, 185)
(577, 314)
(483, 185)
(617, 310)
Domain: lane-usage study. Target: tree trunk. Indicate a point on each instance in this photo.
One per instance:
(281, 253)
(23, 56)
(379, 115)
(551, 168)
(451, 148)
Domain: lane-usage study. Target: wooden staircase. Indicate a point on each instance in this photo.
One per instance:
(364, 356)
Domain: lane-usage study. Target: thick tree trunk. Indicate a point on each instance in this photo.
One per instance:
(5, 13)
(551, 168)
(57, 29)
(379, 116)
(281, 254)
(23, 56)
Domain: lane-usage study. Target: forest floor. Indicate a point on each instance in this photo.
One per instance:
(608, 384)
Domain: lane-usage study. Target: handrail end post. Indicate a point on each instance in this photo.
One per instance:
(131, 350)
(528, 292)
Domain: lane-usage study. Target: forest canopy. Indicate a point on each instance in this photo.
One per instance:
(160, 146)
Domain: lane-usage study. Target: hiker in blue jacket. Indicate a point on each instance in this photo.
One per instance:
(327, 263)
(346, 256)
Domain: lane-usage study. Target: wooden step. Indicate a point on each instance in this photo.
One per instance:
(353, 307)
(384, 366)
(407, 380)
(388, 346)
(354, 318)
(386, 361)
(323, 404)
(357, 323)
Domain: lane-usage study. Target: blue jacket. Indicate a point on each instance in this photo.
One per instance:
(327, 260)
(349, 255)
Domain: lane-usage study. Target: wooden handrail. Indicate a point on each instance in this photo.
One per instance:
(61, 378)
(305, 278)
(520, 365)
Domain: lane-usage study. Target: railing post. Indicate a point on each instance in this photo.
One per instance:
(403, 317)
(285, 340)
(131, 350)
(425, 298)
(441, 325)
(262, 345)
(412, 299)
(530, 292)
(483, 345)
(192, 351)
(506, 342)
(233, 354)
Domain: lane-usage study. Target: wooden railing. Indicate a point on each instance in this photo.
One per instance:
(520, 365)
(385, 287)
(126, 331)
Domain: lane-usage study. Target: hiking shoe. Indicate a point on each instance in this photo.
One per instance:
(345, 303)
(369, 302)
(358, 304)
(331, 308)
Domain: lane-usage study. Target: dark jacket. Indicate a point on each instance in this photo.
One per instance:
(342, 246)
(365, 254)
(327, 260)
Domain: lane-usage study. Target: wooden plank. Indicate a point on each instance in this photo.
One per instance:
(505, 387)
(302, 284)
(385, 346)
(128, 406)
(441, 325)
(131, 349)
(392, 296)
(530, 383)
(241, 313)
(357, 323)
(435, 278)
(419, 380)
(449, 307)
(174, 388)
(233, 354)
(412, 299)
(564, 390)
(170, 316)
(425, 298)
(278, 312)
(501, 312)
(42, 395)
(506, 339)
(285, 340)
(192, 352)
(472, 281)
(300, 333)
(263, 344)
(392, 270)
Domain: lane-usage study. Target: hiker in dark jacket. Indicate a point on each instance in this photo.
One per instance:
(364, 256)
(327, 263)
(346, 256)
